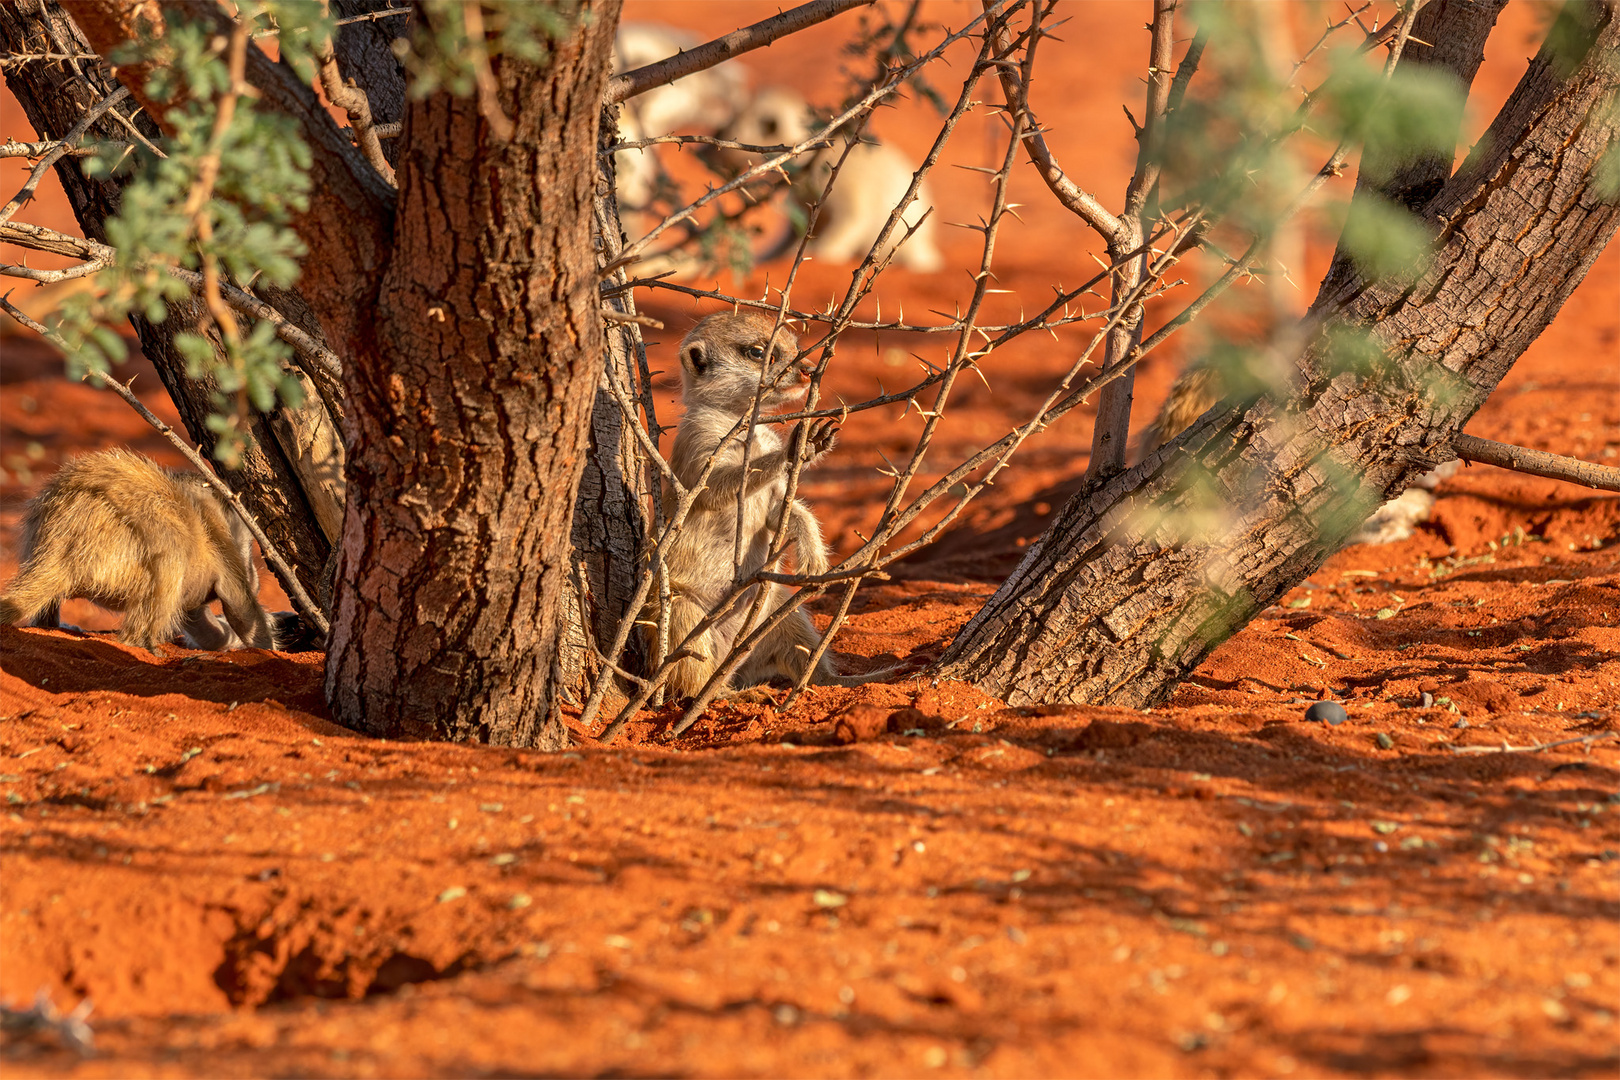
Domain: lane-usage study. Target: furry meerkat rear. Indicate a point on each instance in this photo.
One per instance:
(158, 546)
(724, 361)
(873, 180)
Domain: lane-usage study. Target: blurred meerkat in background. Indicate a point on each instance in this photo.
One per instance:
(1198, 389)
(725, 360)
(117, 529)
(873, 180)
(706, 100)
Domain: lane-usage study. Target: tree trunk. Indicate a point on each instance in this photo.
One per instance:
(286, 477)
(470, 414)
(1138, 580)
(609, 526)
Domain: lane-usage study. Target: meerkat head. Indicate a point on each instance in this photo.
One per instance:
(724, 355)
(776, 116)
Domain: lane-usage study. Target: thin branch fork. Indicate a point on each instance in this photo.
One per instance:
(70, 140)
(307, 608)
(1078, 201)
(749, 38)
(354, 102)
(1536, 462)
(101, 256)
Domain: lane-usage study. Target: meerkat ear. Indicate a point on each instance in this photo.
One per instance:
(694, 360)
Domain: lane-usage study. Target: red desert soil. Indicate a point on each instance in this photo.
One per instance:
(906, 879)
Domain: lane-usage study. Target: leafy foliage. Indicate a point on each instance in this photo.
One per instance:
(262, 179)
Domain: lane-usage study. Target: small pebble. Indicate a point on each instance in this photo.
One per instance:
(1428, 699)
(1461, 723)
(1330, 712)
(1384, 741)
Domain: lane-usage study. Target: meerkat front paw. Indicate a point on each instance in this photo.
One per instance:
(819, 438)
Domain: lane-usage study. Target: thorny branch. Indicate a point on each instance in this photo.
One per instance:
(725, 48)
(101, 256)
(69, 141)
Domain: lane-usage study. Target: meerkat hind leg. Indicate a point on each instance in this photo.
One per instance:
(205, 630)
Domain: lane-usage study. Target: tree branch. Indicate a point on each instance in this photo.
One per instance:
(70, 140)
(722, 49)
(1536, 462)
(348, 226)
(1078, 201)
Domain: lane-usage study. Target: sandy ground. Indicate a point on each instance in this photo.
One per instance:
(904, 879)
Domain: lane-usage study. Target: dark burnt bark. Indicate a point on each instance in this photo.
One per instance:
(270, 478)
(1137, 581)
(470, 413)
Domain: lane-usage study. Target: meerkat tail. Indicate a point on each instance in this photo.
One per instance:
(36, 590)
(688, 675)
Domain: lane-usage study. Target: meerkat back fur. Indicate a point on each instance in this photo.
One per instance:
(725, 361)
(874, 179)
(117, 529)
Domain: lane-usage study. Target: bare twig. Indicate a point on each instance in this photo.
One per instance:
(614, 315)
(704, 140)
(1078, 201)
(1507, 748)
(14, 149)
(69, 141)
(354, 102)
(634, 251)
(724, 48)
(307, 608)
(1536, 462)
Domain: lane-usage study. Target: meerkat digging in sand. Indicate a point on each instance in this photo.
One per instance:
(158, 546)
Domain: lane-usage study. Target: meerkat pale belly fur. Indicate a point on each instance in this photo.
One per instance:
(872, 182)
(721, 364)
(117, 529)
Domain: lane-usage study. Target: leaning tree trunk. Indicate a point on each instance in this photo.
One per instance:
(1138, 580)
(290, 477)
(469, 414)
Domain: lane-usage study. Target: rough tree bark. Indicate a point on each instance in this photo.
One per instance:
(470, 413)
(286, 475)
(1124, 596)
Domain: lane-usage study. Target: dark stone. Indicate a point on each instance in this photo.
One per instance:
(1330, 712)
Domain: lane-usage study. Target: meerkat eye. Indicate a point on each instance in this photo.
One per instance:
(756, 352)
(767, 126)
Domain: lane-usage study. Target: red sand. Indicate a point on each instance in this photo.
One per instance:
(1216, 887)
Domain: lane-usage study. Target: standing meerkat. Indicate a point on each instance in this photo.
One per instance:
(725, 361)
(872, 182)
(158, 546)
